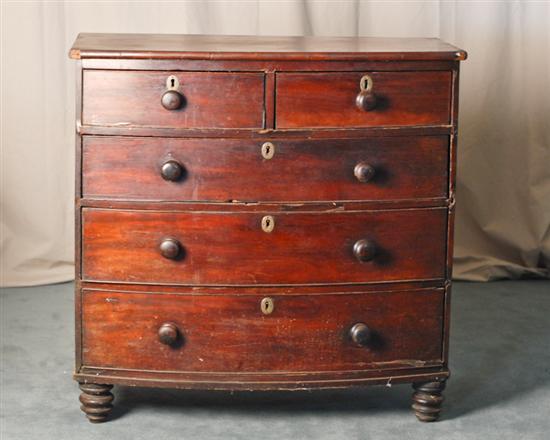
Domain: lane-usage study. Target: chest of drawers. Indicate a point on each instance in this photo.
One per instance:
(262, 213)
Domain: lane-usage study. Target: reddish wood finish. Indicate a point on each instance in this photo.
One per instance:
(237, 47)
(262, 381)
(411, 286)
(266, 134)
(232, 249)
(211, 99)
(130, 168)
(172, 263)
(273, 207)
(328, 99)
(230, 334)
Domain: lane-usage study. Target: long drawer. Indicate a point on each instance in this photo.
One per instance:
(224, 248)
(169, 169)
(231, 333)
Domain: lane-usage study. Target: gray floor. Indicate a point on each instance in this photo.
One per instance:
(500, 387)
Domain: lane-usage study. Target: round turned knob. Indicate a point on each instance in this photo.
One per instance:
(365, 101)
(168, 333)
(171, 100)
(364, 250)
(360, 334)
(170, 248)
(171, 170)
(364, 172)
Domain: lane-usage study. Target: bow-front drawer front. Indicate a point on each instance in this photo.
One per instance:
(261, 248)
(233, 333)
(173, 99)
(168, 169)
(355, 99)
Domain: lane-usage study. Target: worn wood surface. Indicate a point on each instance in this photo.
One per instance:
(166, 46)
(192, 318)
(411, 286)
(427, 400)
(270, 66)
(319, 100)
(232, 249)
(230, 333)
(96, 400)
(262, 381)
(222, 170)
(212, 99)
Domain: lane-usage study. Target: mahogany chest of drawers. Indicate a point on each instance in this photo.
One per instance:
(262, 213)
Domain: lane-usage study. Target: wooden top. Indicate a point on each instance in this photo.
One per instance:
(232, 47)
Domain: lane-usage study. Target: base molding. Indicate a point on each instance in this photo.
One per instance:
(262, 382)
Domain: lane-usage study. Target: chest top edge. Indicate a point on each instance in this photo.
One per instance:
(246, 48)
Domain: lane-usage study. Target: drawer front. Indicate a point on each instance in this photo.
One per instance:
(329, 99)
(209, 99)
(227, 169)
(230, 333)
(250, 248)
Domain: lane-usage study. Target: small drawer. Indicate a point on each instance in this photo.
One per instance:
(329, 100)
(233, 333)
(377, 168)
(250, 248)
(194, 100)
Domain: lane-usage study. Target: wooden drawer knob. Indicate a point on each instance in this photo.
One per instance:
(364, 250)
(171, 248)
(171, 100)
(172, 170)
(366, 99)
(168, 333)
(364, 172)
(360, 334)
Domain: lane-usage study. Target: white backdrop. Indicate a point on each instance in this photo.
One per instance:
(503, 194)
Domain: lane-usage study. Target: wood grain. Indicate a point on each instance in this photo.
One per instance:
(232, 249)
(318, 100)
(230, 334)
(214, 47)
(222, 170)
(298, 93)
(212, 99)
(297, 381)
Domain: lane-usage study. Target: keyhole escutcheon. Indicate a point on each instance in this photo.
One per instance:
(268, 150)
(172, 83)
(267, 306)
(268, 223)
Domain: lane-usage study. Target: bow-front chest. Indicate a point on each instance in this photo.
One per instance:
(263, 213)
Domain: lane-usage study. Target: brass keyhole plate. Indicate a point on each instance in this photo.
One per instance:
(268, 223)
(268, 150)
(366, 83)
(267, 306)
(172, 82)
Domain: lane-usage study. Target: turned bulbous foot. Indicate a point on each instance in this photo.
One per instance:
(427, 400)
(96, 401)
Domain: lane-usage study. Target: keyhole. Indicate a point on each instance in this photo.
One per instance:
(267, 306)
(172, 82)
(268, 150)
(268, 223)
